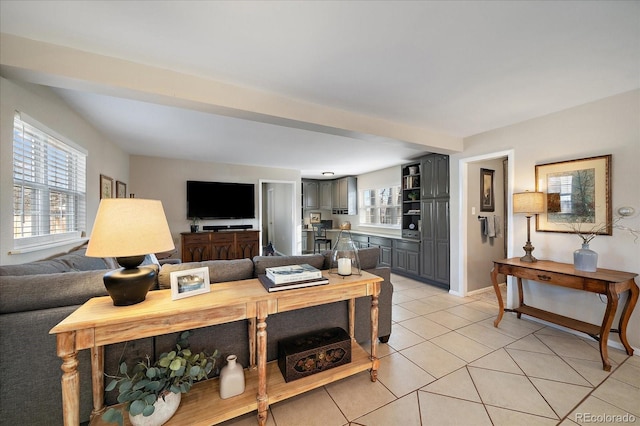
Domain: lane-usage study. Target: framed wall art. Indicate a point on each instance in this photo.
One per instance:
(487, 196)
(578, 195)
(106, 187)
(189, 282)
(121, 189)
(314, 217)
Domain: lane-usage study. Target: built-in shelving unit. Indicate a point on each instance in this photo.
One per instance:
(411, 212)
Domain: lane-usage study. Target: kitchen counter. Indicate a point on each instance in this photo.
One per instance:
(359, 232)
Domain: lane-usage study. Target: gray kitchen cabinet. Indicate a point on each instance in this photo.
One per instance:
(310, 194)
(435, 242)
(344, 195)
(325, 191)
(385, 246)
(434, 170)
(361, 241)
(406, 257)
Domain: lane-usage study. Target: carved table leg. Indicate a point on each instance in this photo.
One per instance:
(352, 319)
(97, 380)
(612, 305)
(496, 288)
(626, 314)
(374, 333)
(263, 399)
(252, 343)
(70, 378)
(520, 297)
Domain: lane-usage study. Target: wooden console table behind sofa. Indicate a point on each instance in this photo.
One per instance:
(603, 281)
(98, 323)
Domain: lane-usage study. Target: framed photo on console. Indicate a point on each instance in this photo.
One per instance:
(189, 282)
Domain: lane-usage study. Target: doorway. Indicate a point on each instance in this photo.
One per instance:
(278, 215)
(477, 251)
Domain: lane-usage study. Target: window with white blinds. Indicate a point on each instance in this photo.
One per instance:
(381, 207)
(49, 186)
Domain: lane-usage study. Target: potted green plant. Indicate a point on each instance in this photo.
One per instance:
(146, 384)
(194, 224)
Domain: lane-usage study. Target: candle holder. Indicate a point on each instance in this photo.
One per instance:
(344, 256)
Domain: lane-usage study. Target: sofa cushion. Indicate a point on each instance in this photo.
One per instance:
(78, 261)
(34, 292)
(368, 258)
(260, 263)
(219, 270)
(51, 266)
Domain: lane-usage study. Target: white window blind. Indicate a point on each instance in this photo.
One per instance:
(49, 186)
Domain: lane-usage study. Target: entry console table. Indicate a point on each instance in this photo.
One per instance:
(98, 323)
(603, 281)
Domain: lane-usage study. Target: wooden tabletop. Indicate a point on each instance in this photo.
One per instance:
(568, 269)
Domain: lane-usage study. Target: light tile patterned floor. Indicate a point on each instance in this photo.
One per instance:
(445, 364)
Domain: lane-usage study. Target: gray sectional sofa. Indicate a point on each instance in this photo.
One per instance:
(34, 297)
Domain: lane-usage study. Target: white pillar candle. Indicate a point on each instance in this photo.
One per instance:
(344, 266)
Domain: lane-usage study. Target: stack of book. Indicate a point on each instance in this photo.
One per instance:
(291, 276)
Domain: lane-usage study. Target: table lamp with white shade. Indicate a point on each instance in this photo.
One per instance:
(529, 203)
(128, 229)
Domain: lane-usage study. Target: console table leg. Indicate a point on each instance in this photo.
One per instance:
(496, 288)
(97, 380)
(252, 343)
(263, 399)
(70, 378)
(626, 314)
(612, 305)
(374, 333)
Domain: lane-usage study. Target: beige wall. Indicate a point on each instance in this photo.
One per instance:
(606, 126)
(44, 106)
(165, 180)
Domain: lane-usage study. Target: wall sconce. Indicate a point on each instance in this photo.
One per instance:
(128, 229)
(529, 203)
(344, 256)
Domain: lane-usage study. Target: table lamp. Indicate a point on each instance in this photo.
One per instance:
(128, 229)
(529, 203)
(344, 256)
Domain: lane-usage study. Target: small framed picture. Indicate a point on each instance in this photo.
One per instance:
(487, 197)
(314, 217)
(106, 187)
(121, 189)
(189, 282)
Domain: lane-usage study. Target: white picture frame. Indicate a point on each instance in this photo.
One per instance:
(189, 282)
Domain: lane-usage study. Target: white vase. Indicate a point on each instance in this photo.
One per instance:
(585, 259)
(231, 378)
(164, 410)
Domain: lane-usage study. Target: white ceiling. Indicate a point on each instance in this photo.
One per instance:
(454, 67)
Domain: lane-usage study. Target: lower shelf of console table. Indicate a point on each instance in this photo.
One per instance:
(203, 406)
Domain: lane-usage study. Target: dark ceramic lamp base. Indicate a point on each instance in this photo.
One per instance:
(129, 285)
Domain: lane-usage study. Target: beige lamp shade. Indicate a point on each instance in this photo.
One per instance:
(529, 203)
(129, 227)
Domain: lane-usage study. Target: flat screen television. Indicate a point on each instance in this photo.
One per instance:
(220, 200)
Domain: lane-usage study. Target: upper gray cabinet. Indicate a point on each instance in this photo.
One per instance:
(325, 194)
(345, 196)
(435, 176)
(310, 194)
